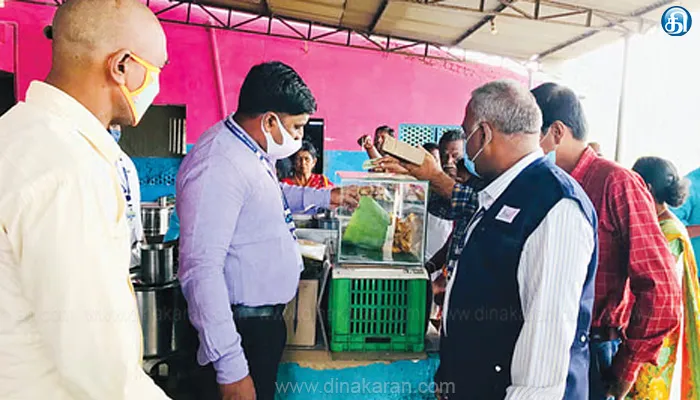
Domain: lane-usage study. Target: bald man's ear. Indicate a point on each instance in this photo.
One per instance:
(117, 64)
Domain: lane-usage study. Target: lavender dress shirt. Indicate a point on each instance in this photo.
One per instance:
(235, 247)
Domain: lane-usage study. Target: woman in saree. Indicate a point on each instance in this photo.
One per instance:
(304, 164)
(677, 375)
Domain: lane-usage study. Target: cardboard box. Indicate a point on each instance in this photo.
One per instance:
(403, 150)
(300, 315)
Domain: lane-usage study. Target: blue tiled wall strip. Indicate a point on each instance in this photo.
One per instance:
(400, 380)
(338, 160)
(157, 176)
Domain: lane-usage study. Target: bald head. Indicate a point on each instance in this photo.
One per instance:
(104, 48)
(91, 30)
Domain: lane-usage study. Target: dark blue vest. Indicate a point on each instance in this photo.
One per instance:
(485, 315)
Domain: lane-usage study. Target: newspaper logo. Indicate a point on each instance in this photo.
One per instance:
(676, 21)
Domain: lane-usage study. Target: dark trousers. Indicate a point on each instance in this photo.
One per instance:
(602, 354)
(263, 341)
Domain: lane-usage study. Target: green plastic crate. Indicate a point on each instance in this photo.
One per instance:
(377, 315)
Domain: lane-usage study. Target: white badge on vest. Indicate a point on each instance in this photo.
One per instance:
(507, 214)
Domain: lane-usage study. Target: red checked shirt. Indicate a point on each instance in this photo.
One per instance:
(636, 288)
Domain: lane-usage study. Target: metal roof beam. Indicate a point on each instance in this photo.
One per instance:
(566, 14)
(637, 13)
(509, 4)
(536, 5)
(266, 7)
(549, 19)
(377, 16)
(481, 22)
(370, 43)
(574, 7)
(212, 16)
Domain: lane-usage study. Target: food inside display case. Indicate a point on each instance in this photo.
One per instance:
(405, 234)
(388, 226)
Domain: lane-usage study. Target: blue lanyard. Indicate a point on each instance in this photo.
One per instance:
(127, 188)
(243, 137)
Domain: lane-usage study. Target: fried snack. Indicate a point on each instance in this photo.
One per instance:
(403, 234)
(376, 192)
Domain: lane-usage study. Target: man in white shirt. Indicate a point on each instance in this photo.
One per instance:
(437, 229)
(518, 306)
(129, 181)
(68, 315)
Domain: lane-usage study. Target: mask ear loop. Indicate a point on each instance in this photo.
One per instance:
(469, 136)
(545, 136)
(476, 129)
(150, 71)
(144, 63)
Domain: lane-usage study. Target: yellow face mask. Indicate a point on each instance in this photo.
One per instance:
(140, 99)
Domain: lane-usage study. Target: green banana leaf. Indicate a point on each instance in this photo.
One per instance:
(368, 225)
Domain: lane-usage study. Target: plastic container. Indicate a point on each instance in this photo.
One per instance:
(378, 310)
(388, 227)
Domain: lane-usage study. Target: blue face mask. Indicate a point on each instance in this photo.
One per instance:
(115, 132)
(552, 156)
(471, 167)
(469, 162)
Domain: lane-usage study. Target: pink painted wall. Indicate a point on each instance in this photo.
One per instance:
(7, 47)
(356, 89)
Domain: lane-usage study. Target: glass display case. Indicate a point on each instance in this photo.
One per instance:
(388, 226)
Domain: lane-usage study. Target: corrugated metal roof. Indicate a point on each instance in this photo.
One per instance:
(520, 29)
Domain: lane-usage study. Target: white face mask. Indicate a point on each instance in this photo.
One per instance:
(145, 99)
(140, 99)
(288, 147)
